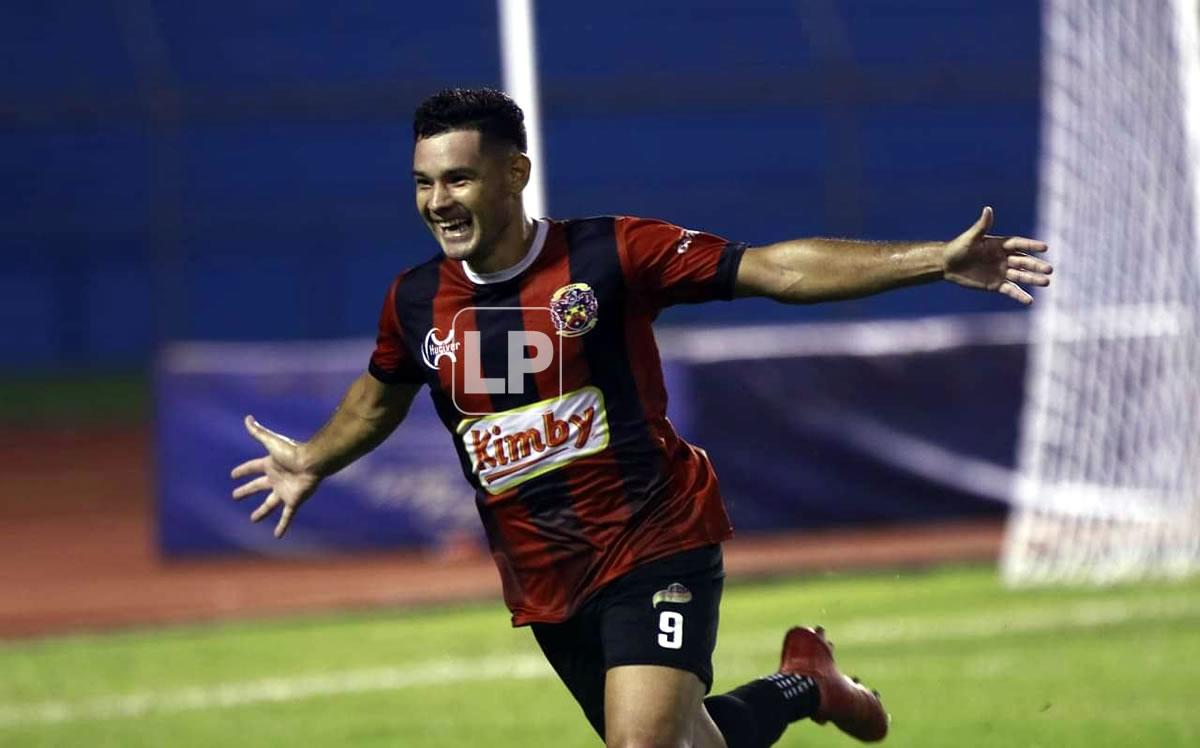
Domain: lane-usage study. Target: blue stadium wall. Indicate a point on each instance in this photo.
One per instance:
(239, 171)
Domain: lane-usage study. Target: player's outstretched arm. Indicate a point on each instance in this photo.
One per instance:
(291, 470)
(804, 271)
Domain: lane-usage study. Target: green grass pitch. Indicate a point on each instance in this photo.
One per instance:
(960, 661)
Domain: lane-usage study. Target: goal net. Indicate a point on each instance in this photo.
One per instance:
(1109, 463)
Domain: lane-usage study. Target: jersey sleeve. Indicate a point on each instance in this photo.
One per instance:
(670, 265)
(392, 363)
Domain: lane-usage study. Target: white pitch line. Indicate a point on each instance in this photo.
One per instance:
(913, 630)
(1083, 615)
(862, 632)
(278, 690)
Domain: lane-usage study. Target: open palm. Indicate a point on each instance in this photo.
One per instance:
(279, 472)
(976, 259)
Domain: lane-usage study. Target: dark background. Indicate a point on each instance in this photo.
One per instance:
(239, 170)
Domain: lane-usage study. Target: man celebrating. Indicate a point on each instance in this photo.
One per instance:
(535, 340)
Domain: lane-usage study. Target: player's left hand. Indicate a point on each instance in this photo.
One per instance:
(976, 259)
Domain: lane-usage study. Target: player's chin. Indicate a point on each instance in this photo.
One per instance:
(459, 250)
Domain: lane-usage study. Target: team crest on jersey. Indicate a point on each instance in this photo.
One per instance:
(574, 310)
(435, 348)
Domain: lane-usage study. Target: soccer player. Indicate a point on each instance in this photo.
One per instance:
(534, 337)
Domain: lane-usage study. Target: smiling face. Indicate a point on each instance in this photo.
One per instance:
(469, 193)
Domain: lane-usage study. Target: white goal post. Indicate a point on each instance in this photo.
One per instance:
(1109, 461)
(518, 57)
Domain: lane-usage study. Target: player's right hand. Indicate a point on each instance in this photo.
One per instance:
(976, 259)
(280, 472)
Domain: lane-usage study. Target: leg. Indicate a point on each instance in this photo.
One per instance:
(756, 714)
(651, 706)
(808, 684)
(659, 628)
(847, 703)
(574, 650)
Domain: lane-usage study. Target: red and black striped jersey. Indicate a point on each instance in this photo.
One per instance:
(548, 378)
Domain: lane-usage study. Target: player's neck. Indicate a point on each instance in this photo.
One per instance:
(511, 247)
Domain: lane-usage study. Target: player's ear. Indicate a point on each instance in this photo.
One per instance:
(519, 167)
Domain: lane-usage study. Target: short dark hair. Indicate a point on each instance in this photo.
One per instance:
(490, 112)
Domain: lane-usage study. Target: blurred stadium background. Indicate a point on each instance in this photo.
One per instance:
(206, 202)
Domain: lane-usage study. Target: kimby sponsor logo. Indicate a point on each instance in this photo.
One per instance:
(506, 449)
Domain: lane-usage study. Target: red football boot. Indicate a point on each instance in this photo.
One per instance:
(856, 710)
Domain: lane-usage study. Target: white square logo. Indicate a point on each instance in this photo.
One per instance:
(527, 352)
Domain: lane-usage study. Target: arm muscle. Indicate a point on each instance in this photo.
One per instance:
(369, 412)
(804, 271)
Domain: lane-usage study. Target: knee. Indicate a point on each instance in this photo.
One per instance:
(647, 740)
(652, 707)
(647, 733)
(684, 734)
(639, 731)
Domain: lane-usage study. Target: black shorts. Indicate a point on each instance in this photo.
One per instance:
(664, 612)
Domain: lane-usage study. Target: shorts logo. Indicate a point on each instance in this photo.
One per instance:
(435, 348)
(674, 593)
(506, 449)
(574, 309)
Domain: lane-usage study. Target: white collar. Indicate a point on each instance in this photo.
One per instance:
(509, 273)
